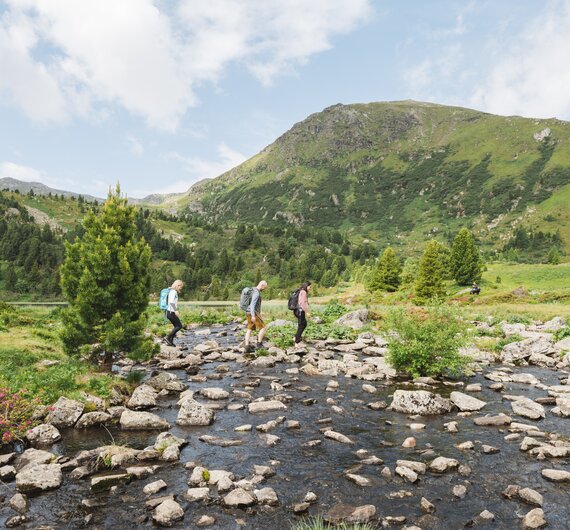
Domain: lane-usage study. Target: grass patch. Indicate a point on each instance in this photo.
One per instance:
(317, 523)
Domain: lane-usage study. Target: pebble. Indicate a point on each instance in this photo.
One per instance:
(409, 442)
(534, 519)
(459, 491)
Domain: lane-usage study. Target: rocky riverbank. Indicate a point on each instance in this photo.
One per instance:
(214, 438)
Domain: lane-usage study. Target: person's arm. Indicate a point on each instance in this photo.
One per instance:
(254, 299)
(303, 301)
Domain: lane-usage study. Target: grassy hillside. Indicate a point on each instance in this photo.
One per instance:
(400, 172)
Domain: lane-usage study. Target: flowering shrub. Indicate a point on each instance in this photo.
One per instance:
(16, 411)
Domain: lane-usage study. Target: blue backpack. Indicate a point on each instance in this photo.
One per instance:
(163, 300)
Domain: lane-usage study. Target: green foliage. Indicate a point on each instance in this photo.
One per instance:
(333, 311)
(429, 282)
(426, 343)
(561, 333)
(386, 275)
(206, 475)
(465, 262)
(553, 256)
(409, 271)
(105, 278)
(317, 523)
(501, 343)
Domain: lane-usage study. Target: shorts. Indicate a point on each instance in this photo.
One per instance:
(258, 324)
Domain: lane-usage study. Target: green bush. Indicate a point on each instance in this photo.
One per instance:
(426, 343)
(562, 333)
(501, 343)
(333, 311)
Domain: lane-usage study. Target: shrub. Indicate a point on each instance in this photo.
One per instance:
(426, 343)
(562, 333)
(16, 411)
(333, 311)
(501, 343)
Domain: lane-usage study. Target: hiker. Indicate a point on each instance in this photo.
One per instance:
(172, 313)
(475, 289)
(253, 310)
(302, 312)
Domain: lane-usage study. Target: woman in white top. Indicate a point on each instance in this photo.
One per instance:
(172, 313)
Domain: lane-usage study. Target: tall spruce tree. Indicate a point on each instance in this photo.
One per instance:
(386, 274)
(106, 278)
(429, 282)
(465, 262)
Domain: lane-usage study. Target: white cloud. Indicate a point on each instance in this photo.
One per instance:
(530, 75)
(201, 168)
(20, 172)
(62, 59)
(135, 146)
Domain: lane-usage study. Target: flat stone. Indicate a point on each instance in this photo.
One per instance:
(344, 513)
(140, 421)
(406, 473)
(419, 402)
(92, 419)
(239, 498)
(197, 494)
(265, 406)
(556, 475)
(154, 487)
(531, 496)
(40, 477)
(193, 413)
(528, 408)
(442, 464)
(214, 393)
(266, 496)
(143, 397)
(359, 480)
(494, 421)
(105, 482)
(219, 441)
(44, 434)
(465, 402)
(338, 437)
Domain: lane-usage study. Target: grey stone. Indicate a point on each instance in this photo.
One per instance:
(64, 412)
(40, 477)
(419, 402)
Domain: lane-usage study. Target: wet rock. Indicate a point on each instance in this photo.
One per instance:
(32, 457)
(466, 403)
(19, 503)
(43, 435)
(115, 412)
(345, 513)
(7, 458)
(168, 446)
(354, 320)
(419, 402)
(474, 387)
(193, 413)
(92, 419)
(486, 515)
(442, 464)
(140, 472)
(269, 440)
(139, 421)
(417, 467)
(359, 480)
(265, 406)
(244, 428)
(144, 397)
(197, 494)
(7, 473)
(265, 427)
(151, 504)
(38, 478)
(206, 347)
(214, 393)
(266, 496)
(494, 421)
(426, 506)
(489, 449)
(451, 426)
(530, 496)
(338, 437)
(64, 412)
(377, 405)
(16, 520)
(459, 491)
(310, 497)
(239, 498)
(534, 519)
(167, 513)
(165, 381)
(105, 482)
(205, 520)
(406, 473)
(409, 442)
(219, 441)
(556, 475)
(528, 409)
(154, 487)
(292, 424)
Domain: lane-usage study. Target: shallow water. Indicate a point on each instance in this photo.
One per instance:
(320, 469)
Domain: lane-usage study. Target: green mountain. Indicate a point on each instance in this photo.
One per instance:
(400, 172)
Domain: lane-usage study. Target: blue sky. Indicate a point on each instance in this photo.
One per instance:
(160, 94)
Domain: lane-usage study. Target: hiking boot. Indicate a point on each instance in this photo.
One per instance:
(248, 349)
(168, 342)
(259, 346)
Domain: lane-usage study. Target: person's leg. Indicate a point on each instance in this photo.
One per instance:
(175, 321)
(260, 325)
(301, 325)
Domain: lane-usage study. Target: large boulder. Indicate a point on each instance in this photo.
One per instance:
(193, 413)
(43, 435)
(92, 419)
(144, 397)
(528, 408)
(355, 319)
(141, 421)
(41, 477)
(167, 513)
(65, 412)
(419, 402)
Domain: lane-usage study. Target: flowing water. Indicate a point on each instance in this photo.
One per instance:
(320, 468)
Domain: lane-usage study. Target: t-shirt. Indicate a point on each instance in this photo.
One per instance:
(172, 301)
(255, 305)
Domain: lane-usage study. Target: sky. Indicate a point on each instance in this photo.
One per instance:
(159, 94)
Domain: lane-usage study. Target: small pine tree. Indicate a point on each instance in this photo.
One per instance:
(409, 271)
(554, 256)
(105, 279)
(386, 274)
(429, 283)
(465, 261)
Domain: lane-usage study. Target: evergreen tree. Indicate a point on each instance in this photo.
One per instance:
(465, 262)
(429, 283)
(105, 279)
(554, 256)
(386, 274)
(409, 271)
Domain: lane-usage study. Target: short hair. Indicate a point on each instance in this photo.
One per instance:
(262, 283)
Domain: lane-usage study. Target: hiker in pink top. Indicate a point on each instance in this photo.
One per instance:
(302, 311)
